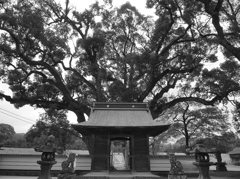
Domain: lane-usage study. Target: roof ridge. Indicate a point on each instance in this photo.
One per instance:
(118, 105)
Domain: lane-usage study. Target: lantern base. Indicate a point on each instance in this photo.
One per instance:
(45, 169)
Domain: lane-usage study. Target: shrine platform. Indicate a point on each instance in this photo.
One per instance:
(121, 175)
(213, 175)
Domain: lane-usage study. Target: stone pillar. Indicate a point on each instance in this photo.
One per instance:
(45, 169)
(179, 176)
(203, 168)
(126, 158)
(221, 167)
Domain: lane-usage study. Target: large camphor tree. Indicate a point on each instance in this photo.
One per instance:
(54, 57)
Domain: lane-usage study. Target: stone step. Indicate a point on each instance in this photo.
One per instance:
(120, 175)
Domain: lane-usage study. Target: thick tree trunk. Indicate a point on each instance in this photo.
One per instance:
(185, 129)
(186, 137)
(187, 142)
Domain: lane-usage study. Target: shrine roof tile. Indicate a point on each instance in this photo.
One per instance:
(120, 118)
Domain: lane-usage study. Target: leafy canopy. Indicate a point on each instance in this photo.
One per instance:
(55, 57)
(6, 132)
(192, 121)
(51, 123)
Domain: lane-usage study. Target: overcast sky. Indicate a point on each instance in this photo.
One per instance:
(23, 118)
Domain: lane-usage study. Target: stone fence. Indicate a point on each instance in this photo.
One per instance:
(162, 163)
(23, 163)
(29, 162)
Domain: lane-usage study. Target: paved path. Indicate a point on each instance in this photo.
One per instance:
(233, 173)
(21, 177)
(35, 177)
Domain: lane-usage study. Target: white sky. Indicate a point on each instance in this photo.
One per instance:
(16, 117)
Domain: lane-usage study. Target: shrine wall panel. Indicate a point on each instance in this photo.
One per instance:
(100, 156)
(141, 162)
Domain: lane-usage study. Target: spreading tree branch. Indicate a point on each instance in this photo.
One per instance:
(215, 13)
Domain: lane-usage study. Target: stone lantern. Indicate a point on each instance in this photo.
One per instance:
(47, 158)
(202, 161)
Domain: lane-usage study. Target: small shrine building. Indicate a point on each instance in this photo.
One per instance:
(120, 136)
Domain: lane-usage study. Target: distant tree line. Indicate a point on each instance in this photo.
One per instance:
(49, 123)
(224, 143)
(192, 122)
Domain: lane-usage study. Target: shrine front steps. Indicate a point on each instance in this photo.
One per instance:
(120, 175)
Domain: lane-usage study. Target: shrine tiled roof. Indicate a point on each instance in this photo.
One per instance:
(120, 115)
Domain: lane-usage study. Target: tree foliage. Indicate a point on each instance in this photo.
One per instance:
(17, 141)
(236, 116)
(194, 121)
(6, 132)
(51, 123)
(224, 142)
(56, 57)
(216, 21)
